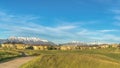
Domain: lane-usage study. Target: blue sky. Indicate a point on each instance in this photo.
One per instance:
(61, 20)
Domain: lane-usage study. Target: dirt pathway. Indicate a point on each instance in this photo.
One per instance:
(16, 63)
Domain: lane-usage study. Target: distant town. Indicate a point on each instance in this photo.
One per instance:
(40, 44)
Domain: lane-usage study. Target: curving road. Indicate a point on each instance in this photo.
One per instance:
(15, 63)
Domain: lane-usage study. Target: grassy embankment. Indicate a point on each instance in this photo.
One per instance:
(6, 55)
(98, 58)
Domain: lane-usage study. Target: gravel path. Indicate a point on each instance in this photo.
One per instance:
(15, 63)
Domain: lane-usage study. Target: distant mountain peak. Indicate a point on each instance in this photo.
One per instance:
(75, 41)
(28, 40)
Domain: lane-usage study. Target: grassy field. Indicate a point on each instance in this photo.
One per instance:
(7, 54)
(95, 58)
(98, 58)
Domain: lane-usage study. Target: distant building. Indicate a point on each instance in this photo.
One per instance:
(40, 47)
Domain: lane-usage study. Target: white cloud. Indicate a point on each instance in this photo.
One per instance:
(105, 31)
(26, 25)
(66, 27)
(117, 18)
(99, 35)
(107, 37)
(116, 11)
(85, 32)
(117, 23)
(19, 25)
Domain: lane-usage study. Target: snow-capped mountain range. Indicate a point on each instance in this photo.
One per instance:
(34, 39)
(75, 43)
(28, 40)
(2, 40)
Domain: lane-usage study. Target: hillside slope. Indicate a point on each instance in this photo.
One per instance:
(73, 61)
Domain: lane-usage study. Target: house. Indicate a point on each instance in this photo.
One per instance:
(22, 46)
(68, 47)
(104, 46)
(114, 45)
(40, 47)
(15, 46)
(8, 45)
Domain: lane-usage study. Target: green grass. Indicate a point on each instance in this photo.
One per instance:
(97, 58)
(7, 54)
(72, 61)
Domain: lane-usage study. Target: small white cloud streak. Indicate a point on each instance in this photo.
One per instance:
(105, 31)
(117, 18)
(116, 11)
(102, 35)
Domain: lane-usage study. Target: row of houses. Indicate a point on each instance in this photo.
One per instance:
(61, 47)
(30, 46)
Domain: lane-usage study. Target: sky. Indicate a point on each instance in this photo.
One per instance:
(61, 20)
